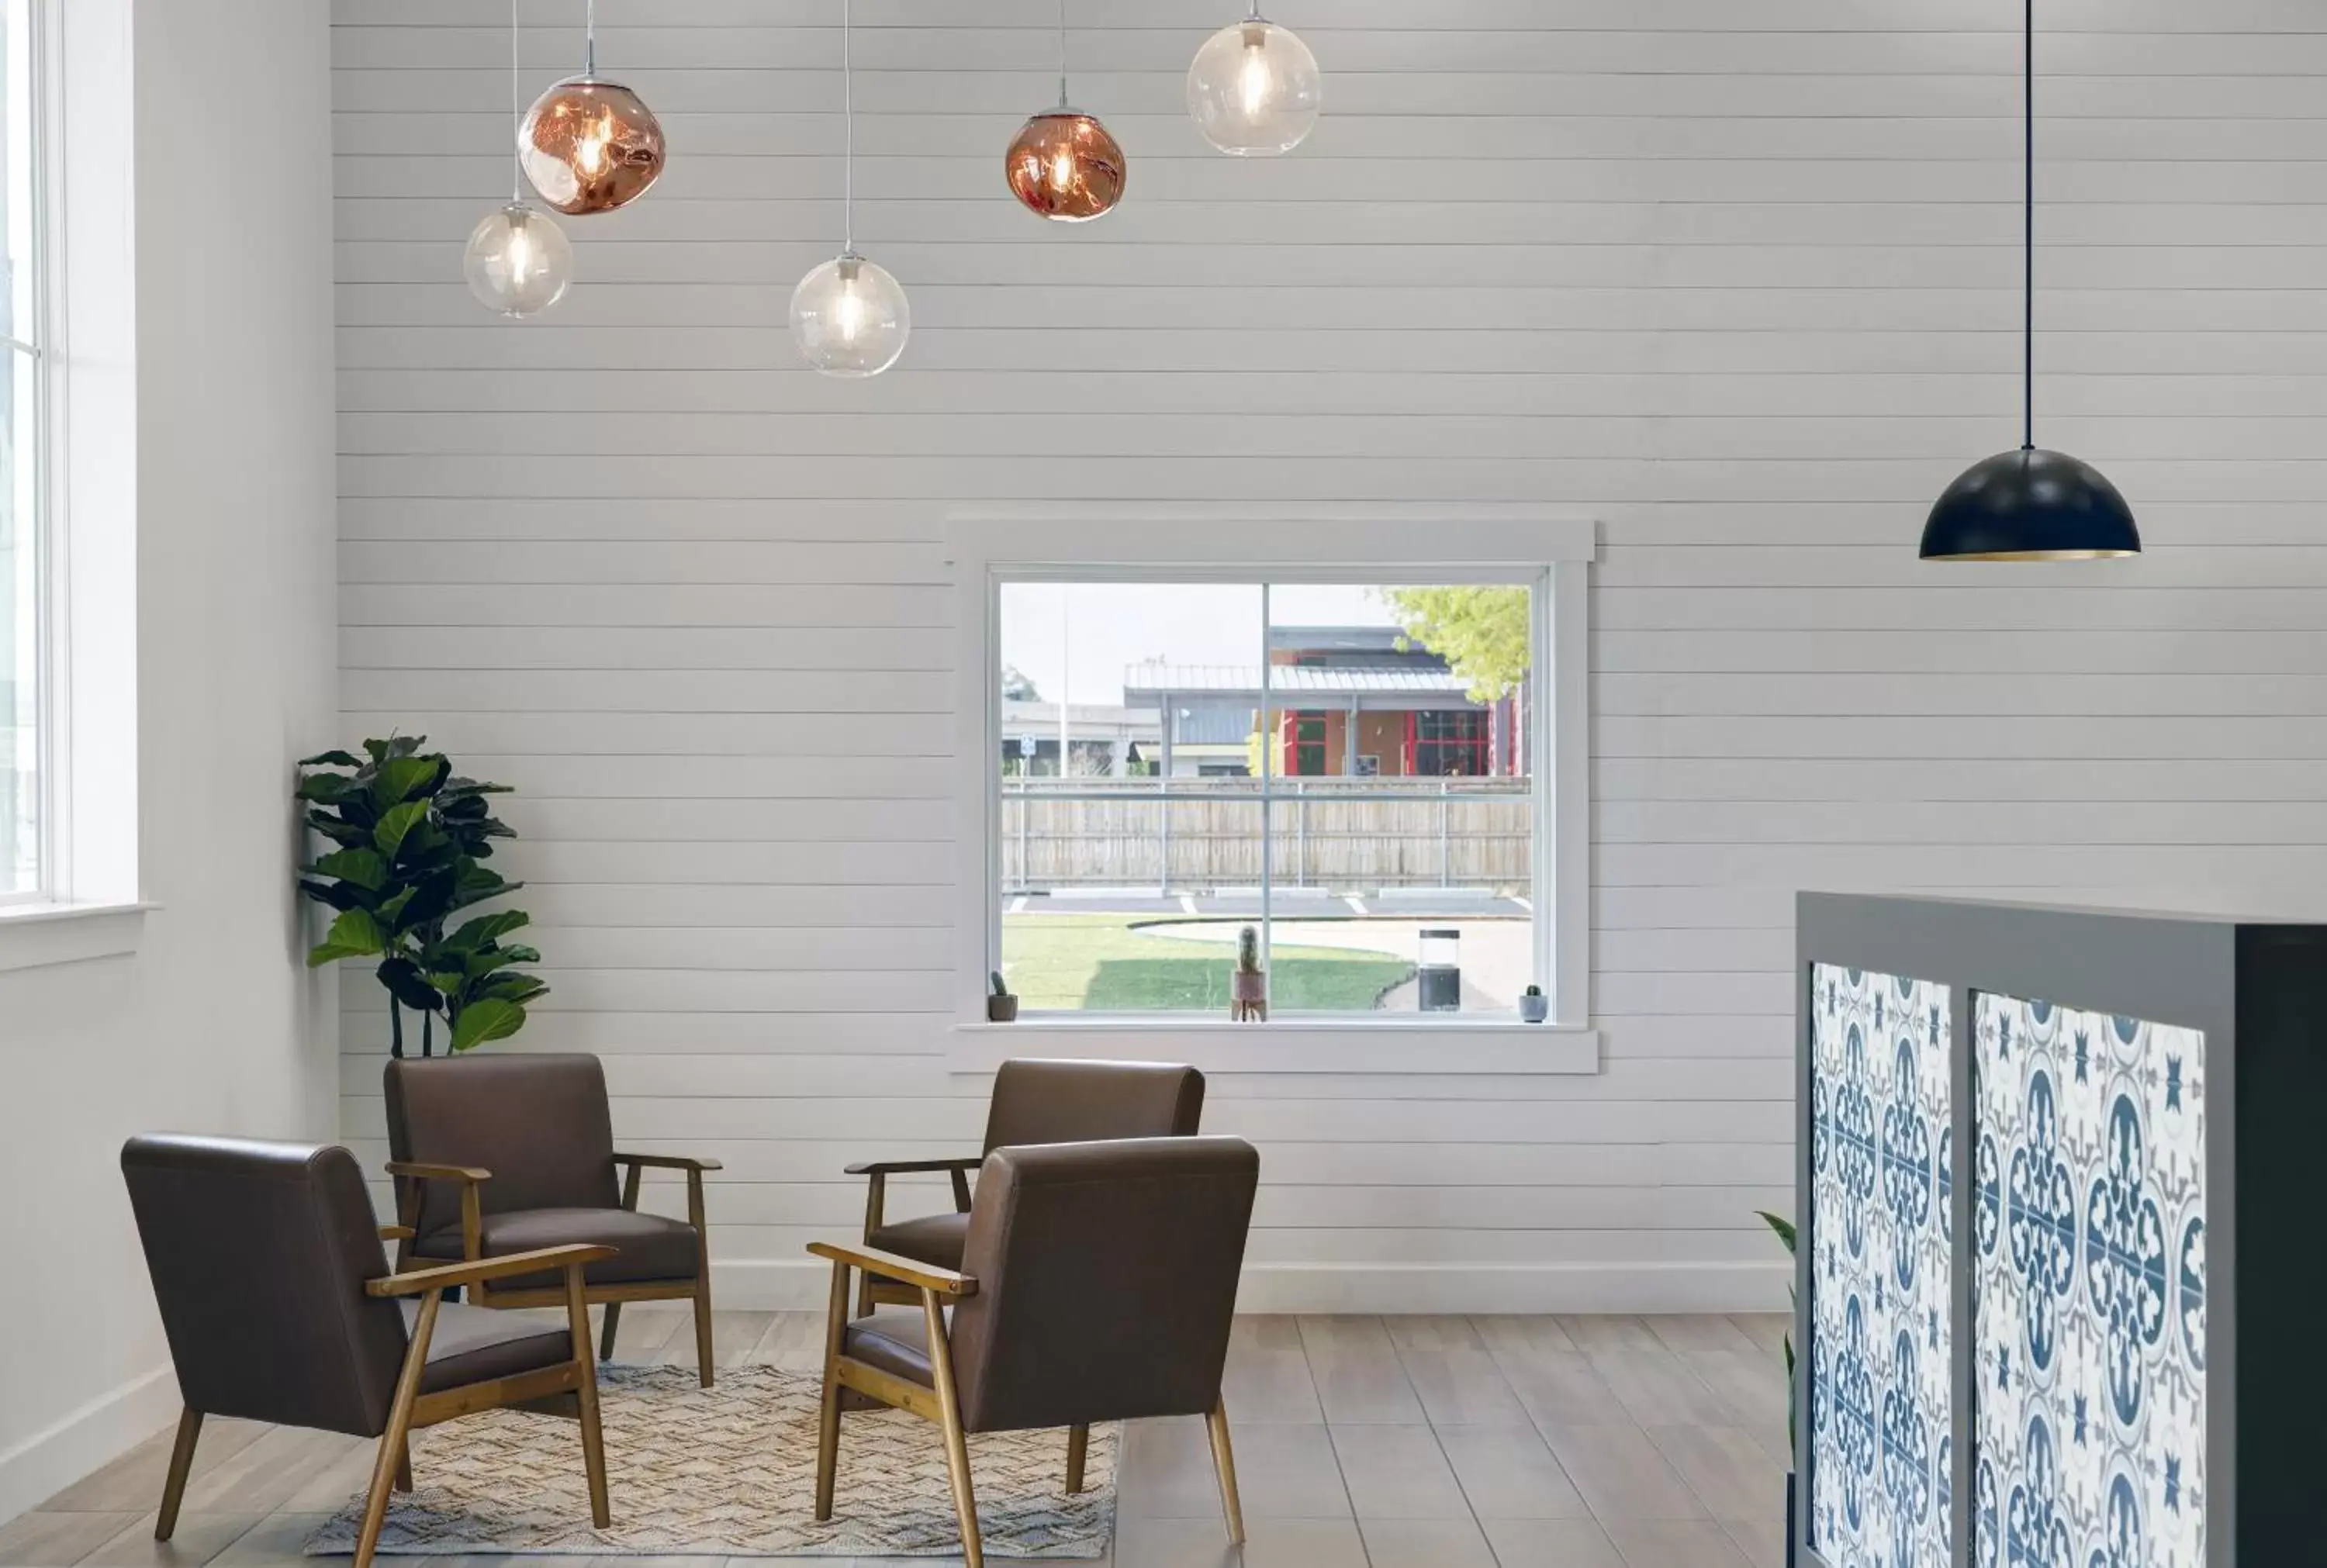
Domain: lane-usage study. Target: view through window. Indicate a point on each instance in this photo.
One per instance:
(1342, 768)
(21, 566)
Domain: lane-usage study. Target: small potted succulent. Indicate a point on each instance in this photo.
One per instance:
(1001, 1007)
(1534, 1006)
(1248, 982)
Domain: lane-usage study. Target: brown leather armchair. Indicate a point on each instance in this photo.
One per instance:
(501, 1155)
(279, 1307)
(1033, 1102)
(1097, 1283)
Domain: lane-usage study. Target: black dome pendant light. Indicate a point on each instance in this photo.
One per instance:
(2030, 505)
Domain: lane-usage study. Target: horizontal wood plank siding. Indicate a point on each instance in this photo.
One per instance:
(1739, 281)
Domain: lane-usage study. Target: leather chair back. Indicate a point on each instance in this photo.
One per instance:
(540, 1124)
(259, 1253)
(1106, 1280)
(1073, 1102)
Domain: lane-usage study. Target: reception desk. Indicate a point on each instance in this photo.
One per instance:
(2029, 1141)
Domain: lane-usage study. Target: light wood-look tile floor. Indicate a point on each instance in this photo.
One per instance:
(1360, 1443)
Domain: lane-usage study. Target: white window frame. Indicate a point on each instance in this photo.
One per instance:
(1121, 543)
(91, 905)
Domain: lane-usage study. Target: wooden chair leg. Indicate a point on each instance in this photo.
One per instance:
(606, 1345)
(399, 1433)
(694, 1217)
(181, 1465)
(404, 1468)
(585, 1396)
(1224, 1462)
(965, 1496)
(1078, 1447)
(828, 1428)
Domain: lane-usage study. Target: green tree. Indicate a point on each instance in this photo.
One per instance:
(1481, 632)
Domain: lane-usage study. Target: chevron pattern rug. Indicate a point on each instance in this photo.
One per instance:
(731, 1471)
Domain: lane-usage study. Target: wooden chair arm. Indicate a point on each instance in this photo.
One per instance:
(444, 1277)
(914, 1167)
(395, 1233)
(946, 1282)
(423, 1171)
(669, 1162)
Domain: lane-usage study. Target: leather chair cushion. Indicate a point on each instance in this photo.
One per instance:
(478, 1344)
(896, 1340)
(935, 1239)
(652, 1246)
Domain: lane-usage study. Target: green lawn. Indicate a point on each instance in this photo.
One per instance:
(1100, 963)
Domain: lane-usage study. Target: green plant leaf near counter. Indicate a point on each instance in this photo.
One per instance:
(1784, 1229)
(408, 841)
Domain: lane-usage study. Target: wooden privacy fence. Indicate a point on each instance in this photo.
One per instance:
(1187, 834)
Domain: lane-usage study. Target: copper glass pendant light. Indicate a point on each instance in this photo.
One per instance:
(849, 316)
(1253, 89)
(519, 261)
(590, 145)
(2030, 505)
(1062, 164)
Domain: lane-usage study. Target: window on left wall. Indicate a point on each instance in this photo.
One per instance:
(27, 667)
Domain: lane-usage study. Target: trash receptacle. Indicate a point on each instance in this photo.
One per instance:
(1439, 975)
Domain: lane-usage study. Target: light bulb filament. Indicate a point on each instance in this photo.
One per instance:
(1063, 171)
(1255, 82)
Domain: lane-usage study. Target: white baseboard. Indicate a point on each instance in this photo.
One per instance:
(91, 1437)
(768, 1284)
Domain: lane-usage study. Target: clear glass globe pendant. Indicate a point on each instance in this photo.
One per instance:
(850, 318)
(519, 261)
(1253, 89)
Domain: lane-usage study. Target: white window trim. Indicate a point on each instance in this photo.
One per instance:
(1231, 544)
(93, 906)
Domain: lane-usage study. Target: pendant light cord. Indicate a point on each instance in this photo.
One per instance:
(848, 139)
(2028, 229)
(590, 38)
(1062, 54)
(516, 111)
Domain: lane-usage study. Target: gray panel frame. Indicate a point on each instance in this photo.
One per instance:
(2164, 968)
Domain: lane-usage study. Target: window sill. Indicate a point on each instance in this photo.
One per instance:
(1293, 1045)
(32, 936)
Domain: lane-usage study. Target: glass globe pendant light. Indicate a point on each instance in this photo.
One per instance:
(518, 262)
(1254, 90)
(849, 316)
(1062, 165)
(590, 145)
(2030, 505)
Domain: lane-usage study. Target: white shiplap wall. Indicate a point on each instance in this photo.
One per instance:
(1738, 280)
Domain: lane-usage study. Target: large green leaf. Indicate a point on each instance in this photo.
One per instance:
(481, 1021)
(331, 759)
(354, 935)
(324, 787)
(396, 823)
(362, 867)
(1783, 1227)
(487, 928)
(403, 779)
(339, 895)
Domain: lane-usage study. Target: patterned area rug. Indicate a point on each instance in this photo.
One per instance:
(731, 1471)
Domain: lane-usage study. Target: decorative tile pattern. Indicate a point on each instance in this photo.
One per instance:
(1881, 1163)
(2090, 1288)
(730, 1471)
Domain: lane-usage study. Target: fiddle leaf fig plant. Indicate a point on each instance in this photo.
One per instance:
(410, 838)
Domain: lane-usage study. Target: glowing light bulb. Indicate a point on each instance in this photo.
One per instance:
(1254, 90)
(1255, 82)
(518, 262)
(850, 318)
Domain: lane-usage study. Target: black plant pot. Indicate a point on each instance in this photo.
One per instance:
(1792, 1534)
